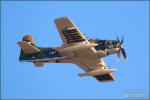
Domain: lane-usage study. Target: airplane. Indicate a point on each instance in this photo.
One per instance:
(76, 49)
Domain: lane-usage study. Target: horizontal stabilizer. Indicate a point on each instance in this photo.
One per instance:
(27, 48)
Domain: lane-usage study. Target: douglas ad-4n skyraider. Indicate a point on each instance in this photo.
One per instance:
(87, 54)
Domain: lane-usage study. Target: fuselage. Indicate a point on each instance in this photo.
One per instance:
(101, 48)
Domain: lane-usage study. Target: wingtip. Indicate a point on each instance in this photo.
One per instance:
(64, 17)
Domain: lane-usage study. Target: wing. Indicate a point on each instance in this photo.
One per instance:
(100, 64)
(69, 33)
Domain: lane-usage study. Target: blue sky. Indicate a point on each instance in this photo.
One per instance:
(96, 19)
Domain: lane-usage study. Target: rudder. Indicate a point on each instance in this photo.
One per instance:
(29, 51)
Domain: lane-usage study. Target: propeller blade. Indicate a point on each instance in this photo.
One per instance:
(118, 39)
(124, 54)
(121, 41)
(118, 55)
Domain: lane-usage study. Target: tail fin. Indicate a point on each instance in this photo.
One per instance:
(29, 51)
(28, 38)
(27, 45)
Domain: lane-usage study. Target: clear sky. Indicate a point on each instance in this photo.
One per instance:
(96, 19)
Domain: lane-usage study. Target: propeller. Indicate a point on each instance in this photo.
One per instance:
(121, 50)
